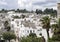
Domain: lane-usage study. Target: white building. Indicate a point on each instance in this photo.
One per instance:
(58, 11)
(30, 24)
(24, 26)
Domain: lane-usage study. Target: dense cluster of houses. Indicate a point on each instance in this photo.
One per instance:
(25, 23)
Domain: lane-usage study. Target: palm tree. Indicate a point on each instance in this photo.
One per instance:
(46, 24)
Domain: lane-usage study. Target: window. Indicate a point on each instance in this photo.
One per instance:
(12, 26)
(12, 19)
(16, 31)
(33, 31)
(39, 30)
(17, 22)
(30, 31)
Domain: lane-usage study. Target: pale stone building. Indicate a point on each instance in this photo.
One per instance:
(58, 10)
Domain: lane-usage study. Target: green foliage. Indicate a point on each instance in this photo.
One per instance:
(32, 35)
(55, 38)
(21, 11)
(58, 23)
(38, 11)
(6, 23)
(48, 11)
(50, 40)
(51, 11)
(56, 31)
(56, 35)
(16, 17)
(8, 36)
(3, 11)
(32, 38)
(56, 27)
(7, 26)
(22, 16)
(46, 24)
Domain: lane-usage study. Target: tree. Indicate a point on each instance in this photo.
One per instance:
(58, 22)
(8, 36)
(46, 24)
(6, 23)
(48, 11)
(32, 39)
(3, 11)
(32, 35)
(18, 10)
(7, 26)
(51, 11)
(56, 31)
(24, 11)
(16, 17)
(57, 27)
(38, 11)
(54, 27)
(22, 16)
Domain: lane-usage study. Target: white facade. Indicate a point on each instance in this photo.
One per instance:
(21, 31)
(31, 23)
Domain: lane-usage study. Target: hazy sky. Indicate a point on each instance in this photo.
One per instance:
(28, 4)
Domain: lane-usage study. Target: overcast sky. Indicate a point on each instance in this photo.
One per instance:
(28, 4)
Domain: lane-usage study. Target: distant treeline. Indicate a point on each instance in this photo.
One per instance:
(38, 11)
(17, 10)
(51, 11)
